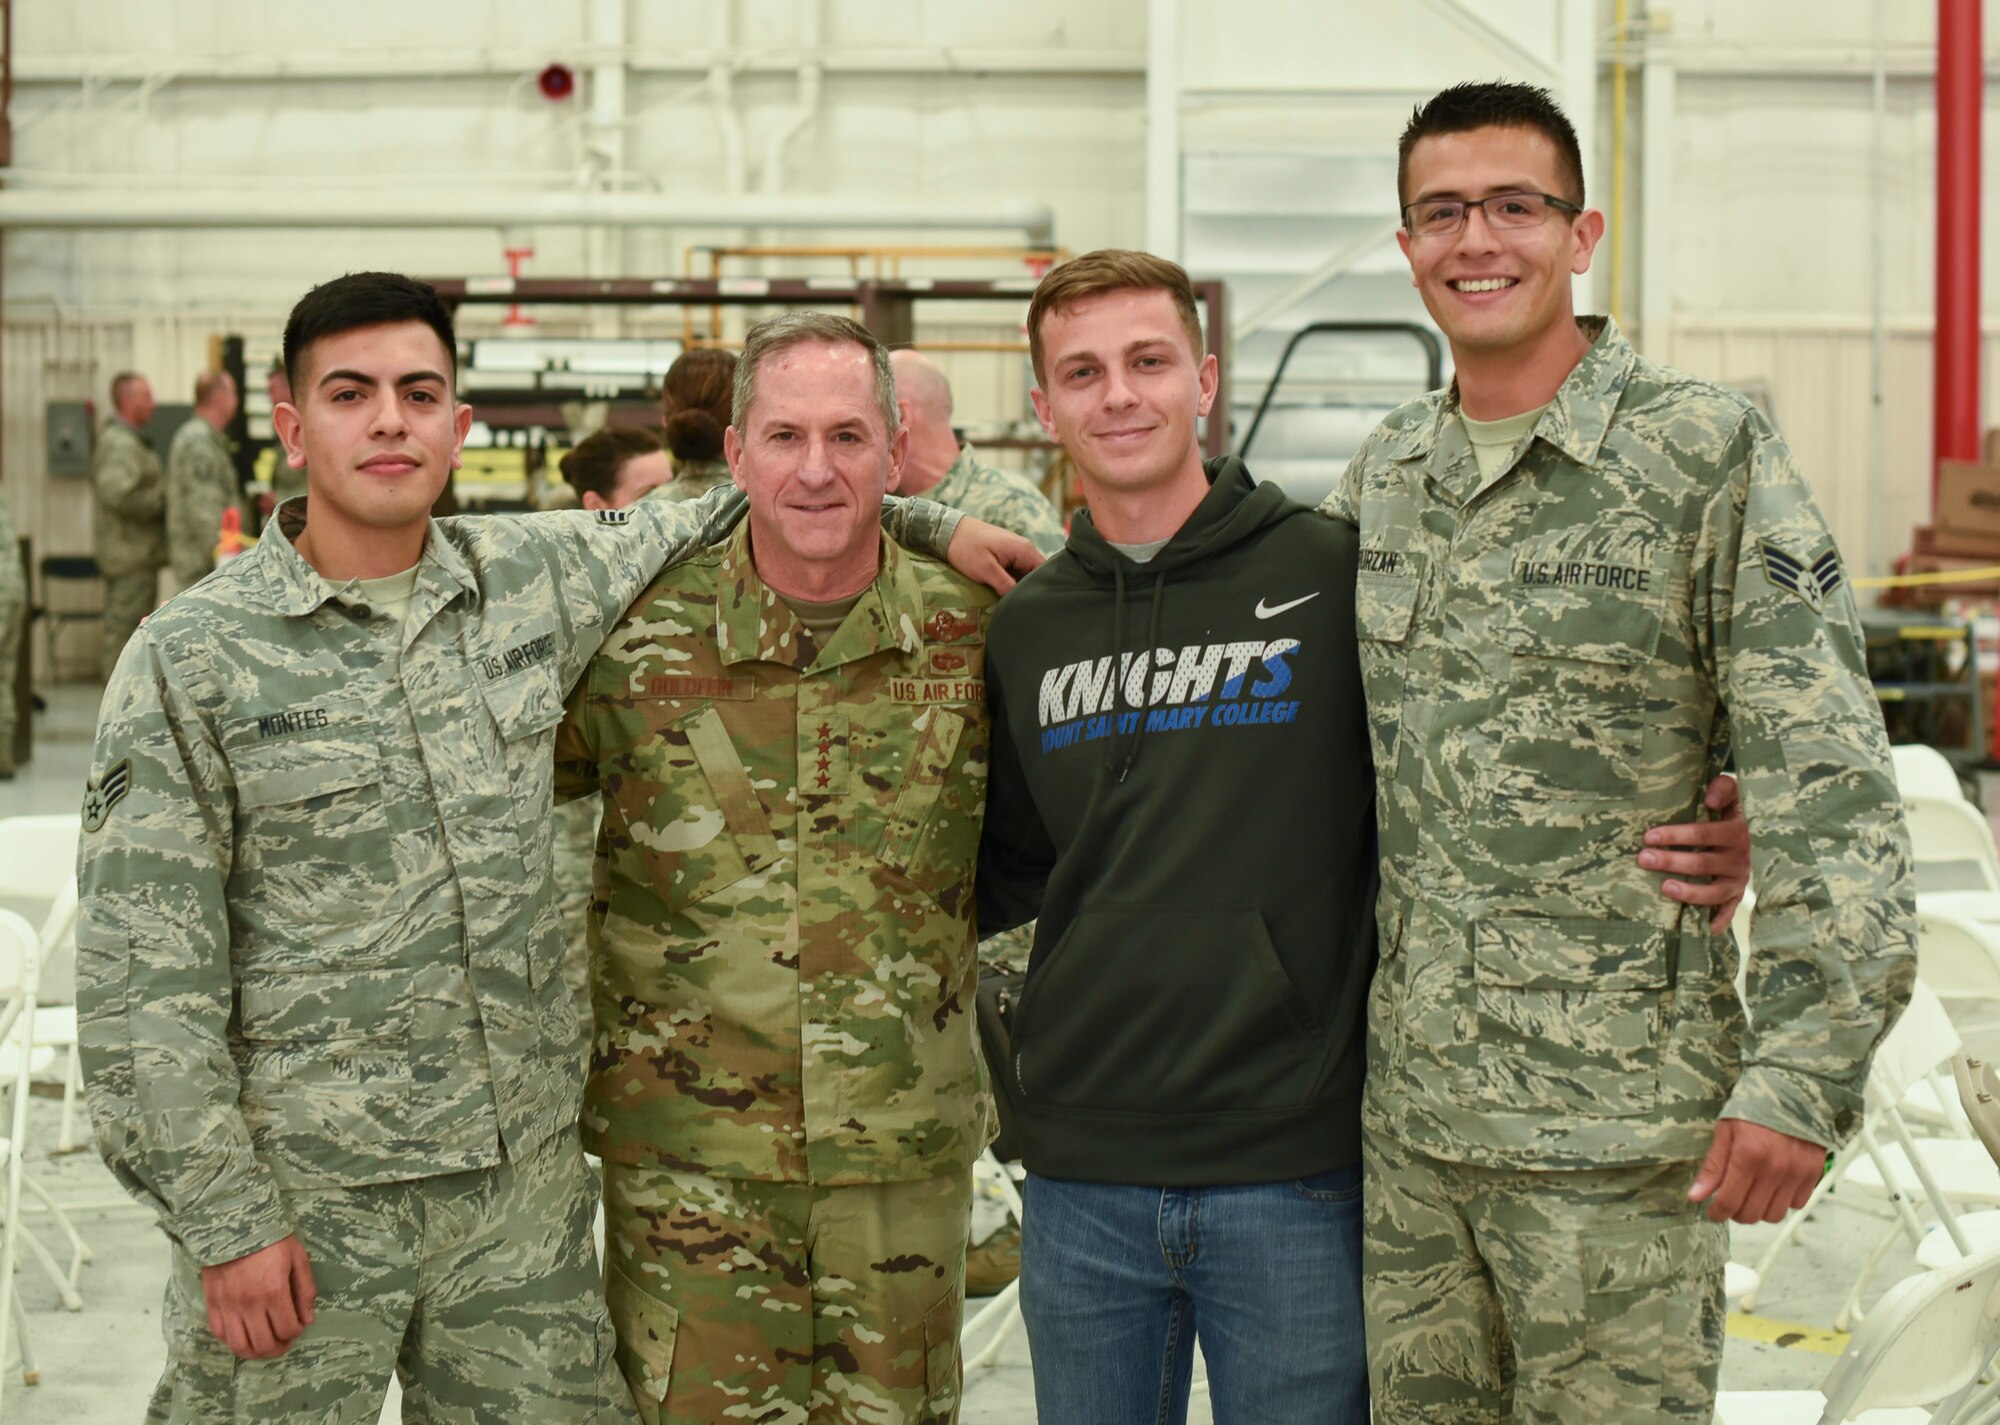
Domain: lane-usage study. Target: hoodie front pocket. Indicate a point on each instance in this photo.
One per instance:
(1138, 1006)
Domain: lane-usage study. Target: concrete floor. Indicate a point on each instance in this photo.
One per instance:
(98, 1365)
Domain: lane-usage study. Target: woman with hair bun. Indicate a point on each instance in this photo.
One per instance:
(695, 401)
(615, 467)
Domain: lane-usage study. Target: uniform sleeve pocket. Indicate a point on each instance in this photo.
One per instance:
(941, 1360)
(646, 1330)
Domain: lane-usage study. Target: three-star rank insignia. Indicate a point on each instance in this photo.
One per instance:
(614, 517)
(1813, 583)
(100, 796)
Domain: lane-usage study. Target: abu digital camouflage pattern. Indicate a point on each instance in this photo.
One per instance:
(130, 522)
(201, 484)
(518, 1333)
(999, 497)
(318, 944)
(695, 478)
(1556, 659)
(783, 969)
(784, 1303)
(1606, 1285)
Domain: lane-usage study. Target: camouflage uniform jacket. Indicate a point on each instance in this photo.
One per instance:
(131, 495)
(319, 945)
(697, 477)
(201, 484)
(999, 497)
(783, 956)
(1557, 659)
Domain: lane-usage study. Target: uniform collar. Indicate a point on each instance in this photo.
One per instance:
(1575, 422)
(754, 625)
(297, 588)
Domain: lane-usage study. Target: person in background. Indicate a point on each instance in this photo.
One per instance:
(694, 404)
(615, 467)
(942, 468)
(131, 505)
(201, 479)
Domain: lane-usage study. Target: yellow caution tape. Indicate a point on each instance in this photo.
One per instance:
(1952, 576)
(1789, 1334)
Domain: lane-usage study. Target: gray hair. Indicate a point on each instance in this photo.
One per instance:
(790, 329)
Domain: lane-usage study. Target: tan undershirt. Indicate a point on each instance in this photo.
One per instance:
(1494, 441)
(391, 593)
(818, 619)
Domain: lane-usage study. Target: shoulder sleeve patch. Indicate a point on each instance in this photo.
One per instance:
(1814, 584)
(99, 797)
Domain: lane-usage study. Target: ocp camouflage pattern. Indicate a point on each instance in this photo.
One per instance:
(1557, 659)
(783, 962)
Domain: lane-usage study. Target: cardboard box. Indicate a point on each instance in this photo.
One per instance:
(1925, 540)
(1968, 498)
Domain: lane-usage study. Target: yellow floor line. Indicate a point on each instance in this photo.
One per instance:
(1787, 1333)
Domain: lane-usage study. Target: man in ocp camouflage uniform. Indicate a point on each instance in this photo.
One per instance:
(131, 523)
(324, 1025)
(201, 479)
(791, 736)
(941, 469)
(1587, 580)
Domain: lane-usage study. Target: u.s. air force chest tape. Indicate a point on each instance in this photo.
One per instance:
(951, 665)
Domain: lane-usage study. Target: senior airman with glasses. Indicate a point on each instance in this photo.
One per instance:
(1587, 582)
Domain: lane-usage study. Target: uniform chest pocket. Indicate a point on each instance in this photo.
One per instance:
(931, 836)
(1575, 708)
(313, 843)
(1569, 1014)
(526, 708)
(684, 802)
(1385, 606)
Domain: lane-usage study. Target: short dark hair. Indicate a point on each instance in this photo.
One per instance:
(1109, 269)
(599, 456)
(365, 299)
(1464, 107)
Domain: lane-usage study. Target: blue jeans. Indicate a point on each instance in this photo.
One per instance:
(1118, 1283)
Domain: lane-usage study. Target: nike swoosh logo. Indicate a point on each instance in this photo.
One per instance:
(1263, 612)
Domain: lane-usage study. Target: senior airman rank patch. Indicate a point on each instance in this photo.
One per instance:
(1814, 584)
(100, 797)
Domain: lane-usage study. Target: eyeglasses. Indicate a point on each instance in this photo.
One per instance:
(1445, 217)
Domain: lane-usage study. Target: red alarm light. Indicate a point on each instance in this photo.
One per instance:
(557, 82)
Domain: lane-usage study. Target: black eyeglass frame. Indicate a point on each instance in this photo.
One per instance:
(1468, 204)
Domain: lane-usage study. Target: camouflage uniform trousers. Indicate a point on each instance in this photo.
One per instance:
(478, 1289)
(576, 849)
(1501, 1294)
(128, 598)
(786, 1303)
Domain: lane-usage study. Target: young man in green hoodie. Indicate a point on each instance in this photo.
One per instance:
(1182, 789)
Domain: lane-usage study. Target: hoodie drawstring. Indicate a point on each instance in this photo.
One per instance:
(1125, 765)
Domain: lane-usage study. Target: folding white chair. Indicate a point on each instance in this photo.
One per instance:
(17, 943)
(1957, 956)
(38, 863)
(1953, 846)
(20, 987)
(1923, 771)
(1885, 1160)
(1924, 1344)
